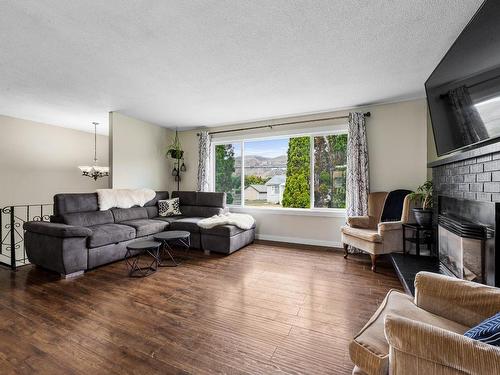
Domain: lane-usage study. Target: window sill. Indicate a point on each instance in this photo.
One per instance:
(332, 212)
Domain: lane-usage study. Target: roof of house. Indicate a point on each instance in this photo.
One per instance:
(259, 188)
(276, 180)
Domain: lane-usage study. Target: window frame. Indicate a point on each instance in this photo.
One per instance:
(312, 211)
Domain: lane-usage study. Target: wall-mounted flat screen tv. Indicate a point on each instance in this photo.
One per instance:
(463, 92)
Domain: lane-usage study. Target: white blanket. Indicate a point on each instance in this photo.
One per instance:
(123, 198)
(242, 221)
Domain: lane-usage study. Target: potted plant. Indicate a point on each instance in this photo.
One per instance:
(175, 149)
(423, 196)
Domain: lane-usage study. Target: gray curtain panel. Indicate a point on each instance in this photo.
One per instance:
(204, 161)
(470, 124)
(357, 166)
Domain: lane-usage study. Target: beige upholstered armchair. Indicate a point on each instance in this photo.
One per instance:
(370, 234)
(424, 335)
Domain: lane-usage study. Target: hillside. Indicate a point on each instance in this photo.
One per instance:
(263, 166)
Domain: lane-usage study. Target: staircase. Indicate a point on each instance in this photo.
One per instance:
(12, 218)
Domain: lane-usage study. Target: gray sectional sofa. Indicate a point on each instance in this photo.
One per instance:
(79, 237)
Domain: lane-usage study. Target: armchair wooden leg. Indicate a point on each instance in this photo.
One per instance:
(374, 260)
(346, 251)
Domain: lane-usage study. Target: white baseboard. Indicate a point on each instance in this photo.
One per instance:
(302, 241)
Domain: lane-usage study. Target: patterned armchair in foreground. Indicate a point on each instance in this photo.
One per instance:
(425, 335)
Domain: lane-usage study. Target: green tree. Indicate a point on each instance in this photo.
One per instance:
(224, 169)
(255, 180)
(322, 175)
(338, 156)
(329, 170)
(298, 171)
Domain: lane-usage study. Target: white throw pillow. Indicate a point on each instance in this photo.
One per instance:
(169, 207)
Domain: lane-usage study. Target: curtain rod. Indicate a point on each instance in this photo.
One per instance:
(367, 114)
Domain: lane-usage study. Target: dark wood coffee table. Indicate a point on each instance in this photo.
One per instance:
(135, 251)
(168, 238)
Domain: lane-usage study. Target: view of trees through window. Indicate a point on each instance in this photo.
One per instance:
(227, 172)
(330, 159)
(277, 172)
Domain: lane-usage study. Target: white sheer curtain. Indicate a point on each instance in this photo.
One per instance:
(204, 161)
(358, 179)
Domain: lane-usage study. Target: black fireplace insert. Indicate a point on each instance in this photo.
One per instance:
(466, 240)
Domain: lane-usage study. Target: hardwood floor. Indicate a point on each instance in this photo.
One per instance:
(267, 309)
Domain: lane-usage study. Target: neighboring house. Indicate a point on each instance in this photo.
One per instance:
(275, 188)
(256, 192)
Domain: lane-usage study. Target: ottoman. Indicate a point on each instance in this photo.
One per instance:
(226, 239)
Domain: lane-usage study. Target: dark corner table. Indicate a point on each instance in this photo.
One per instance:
(423, 236)
(167, 238)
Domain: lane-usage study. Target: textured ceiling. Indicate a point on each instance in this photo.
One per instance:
(203, 63)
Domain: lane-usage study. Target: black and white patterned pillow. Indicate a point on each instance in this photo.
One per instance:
(169, 207)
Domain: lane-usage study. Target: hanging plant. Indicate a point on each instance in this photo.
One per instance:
(175, 149)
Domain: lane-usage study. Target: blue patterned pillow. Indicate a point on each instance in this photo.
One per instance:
(488, 331)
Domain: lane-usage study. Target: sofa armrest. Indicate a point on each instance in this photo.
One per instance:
(359, 221)
(390, 225)
(462, 301)
(56, 229)
(427, 343)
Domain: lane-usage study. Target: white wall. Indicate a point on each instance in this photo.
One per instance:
(397, 142)
(137, 154)
(39, 160)
(397, 145)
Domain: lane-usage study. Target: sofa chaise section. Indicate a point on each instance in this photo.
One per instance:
(195, 206)
(226, 239)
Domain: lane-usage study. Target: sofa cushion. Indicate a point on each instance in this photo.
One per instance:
(152, 211)
(369, 349)
(125, 214)
(145, 227)
(370, 235)
(211, 199)
(75, 202)
(188, 223)
(169, 219)
(187, 198)
(393, 206)
(223, 230)
(106, 234)
(201, 211)
(206, 199)
(86, 219)
(154, 201)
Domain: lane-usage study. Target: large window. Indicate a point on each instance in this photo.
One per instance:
(289, 172)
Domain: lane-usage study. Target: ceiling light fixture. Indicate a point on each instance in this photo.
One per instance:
(94, 171)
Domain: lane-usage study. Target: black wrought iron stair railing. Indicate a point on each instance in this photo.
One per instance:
(12, 218)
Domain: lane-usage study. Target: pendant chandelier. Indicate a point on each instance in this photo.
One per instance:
(94, 171)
